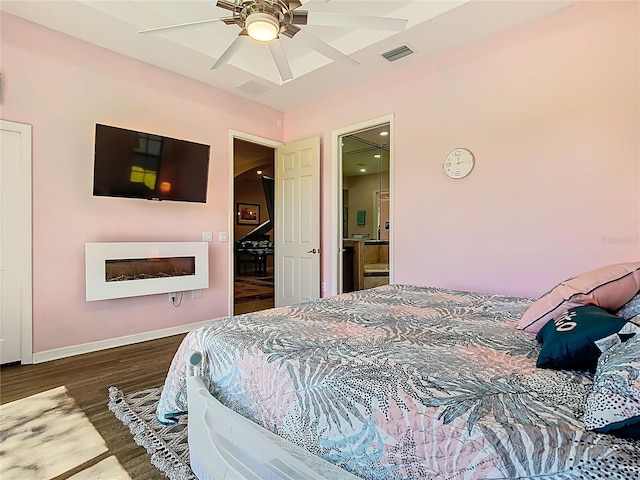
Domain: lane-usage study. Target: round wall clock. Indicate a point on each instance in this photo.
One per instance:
(458, 163)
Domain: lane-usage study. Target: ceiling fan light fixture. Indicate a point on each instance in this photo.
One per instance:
(262, 27)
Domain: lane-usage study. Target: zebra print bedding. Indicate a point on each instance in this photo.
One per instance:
(405, 382)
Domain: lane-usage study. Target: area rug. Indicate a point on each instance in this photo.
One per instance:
(166, 445)
(250, 289)
(46, 435)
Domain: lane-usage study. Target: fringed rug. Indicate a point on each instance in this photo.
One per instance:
(166, 445)
(47, 435)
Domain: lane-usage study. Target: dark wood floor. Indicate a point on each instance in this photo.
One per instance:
(87, 379)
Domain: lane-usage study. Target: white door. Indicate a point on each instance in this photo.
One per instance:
(15, 243)
(297, 211)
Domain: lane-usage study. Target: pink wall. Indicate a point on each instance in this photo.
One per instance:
(63, 87)
(551, 111)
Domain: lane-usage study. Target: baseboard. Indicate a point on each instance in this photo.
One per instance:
(65, 352)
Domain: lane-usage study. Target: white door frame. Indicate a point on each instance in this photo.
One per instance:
(24, 232)
(253, 139)
(336, 197)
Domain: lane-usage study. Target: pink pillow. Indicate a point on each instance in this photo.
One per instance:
(608, 287)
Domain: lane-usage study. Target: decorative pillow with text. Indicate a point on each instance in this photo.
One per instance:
(575, 339)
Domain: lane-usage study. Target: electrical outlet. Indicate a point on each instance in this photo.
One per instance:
(323, 286)
(172, 297)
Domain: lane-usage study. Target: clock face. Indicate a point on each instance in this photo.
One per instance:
(458, 163)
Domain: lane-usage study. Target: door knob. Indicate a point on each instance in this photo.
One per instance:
(313, 251)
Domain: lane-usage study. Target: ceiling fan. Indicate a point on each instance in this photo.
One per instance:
(265, 20)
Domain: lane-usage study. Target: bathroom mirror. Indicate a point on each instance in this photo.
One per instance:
(366, 219)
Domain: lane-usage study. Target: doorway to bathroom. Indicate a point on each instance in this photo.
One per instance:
(365, 224)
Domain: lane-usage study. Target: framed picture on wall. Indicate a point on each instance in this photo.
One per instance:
(248, 213)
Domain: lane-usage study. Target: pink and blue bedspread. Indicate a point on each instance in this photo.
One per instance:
(405, 382)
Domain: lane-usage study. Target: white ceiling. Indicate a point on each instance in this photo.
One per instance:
(434, 27)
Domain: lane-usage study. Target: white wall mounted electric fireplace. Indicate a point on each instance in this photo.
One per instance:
(121, 269)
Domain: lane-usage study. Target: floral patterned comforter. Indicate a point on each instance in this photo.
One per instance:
(405, 382)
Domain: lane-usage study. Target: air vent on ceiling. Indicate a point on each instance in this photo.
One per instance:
(252, 87)
(397, 53)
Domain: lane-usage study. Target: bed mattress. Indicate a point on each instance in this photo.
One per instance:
(405, 382)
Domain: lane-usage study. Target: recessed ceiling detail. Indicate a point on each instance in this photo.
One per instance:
(253, 88)
(433, 29)
(265, 21)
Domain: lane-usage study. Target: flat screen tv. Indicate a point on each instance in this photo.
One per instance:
(135, 164)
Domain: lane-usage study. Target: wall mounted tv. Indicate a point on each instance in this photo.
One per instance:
(143, 165)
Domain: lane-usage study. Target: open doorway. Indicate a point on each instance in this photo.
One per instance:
(254, 222)
(365, 207)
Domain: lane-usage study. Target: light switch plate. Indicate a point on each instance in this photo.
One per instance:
(207, 236)
(223, 236)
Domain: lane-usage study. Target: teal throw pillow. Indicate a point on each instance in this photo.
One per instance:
(575, 339)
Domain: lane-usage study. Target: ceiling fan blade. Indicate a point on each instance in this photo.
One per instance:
(299, 17)
(178, 25)
(356, 21)
(231, 20)
(227, 5)
(324, 48)
(231, 50)
(293, 4)
(279, 57)
(290, 31)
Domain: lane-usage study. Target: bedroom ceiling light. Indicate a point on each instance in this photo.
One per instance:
(384, 134)
(377, 155)
(262, 27)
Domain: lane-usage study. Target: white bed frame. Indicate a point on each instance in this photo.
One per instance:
(223, 445)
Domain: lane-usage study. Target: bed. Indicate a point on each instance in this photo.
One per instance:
(394, 382)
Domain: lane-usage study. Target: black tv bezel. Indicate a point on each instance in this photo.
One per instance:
(154, 196)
